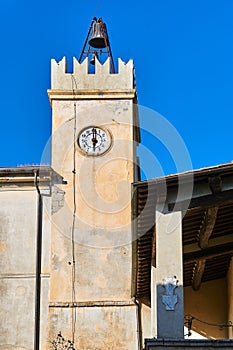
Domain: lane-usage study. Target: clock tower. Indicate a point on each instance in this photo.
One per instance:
(94, 139)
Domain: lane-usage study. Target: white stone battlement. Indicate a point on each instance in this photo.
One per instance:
(102, 79)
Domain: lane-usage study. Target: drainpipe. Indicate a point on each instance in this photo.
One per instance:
(38, 264)
(139, 323)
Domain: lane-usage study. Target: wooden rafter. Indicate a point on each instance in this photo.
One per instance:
(193, 247)
(209, 253)
(210, 200)
(206, 230)
(198, 273)
(207, 226)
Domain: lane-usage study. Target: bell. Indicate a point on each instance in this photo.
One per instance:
(93, 58)
(98, 38)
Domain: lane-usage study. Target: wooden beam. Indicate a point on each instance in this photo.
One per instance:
(198, 273)
(194, 247)
(207, 226)
(206, 230)
(210, 200)
(209, 253)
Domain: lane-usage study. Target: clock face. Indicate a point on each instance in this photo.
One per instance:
(94, 140)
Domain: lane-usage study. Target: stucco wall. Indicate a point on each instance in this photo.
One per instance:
(210, 305)
(103, 203)
(97, 327)
(146, 321)
(18, 220)
(102, 227)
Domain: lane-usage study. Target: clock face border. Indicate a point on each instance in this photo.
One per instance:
(106, 147)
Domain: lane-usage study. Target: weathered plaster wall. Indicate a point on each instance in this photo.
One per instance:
(81, 80)
(97, 327)
(102, 232)
(18, 220)
(103, 204)
(146, 321)
(102, 226)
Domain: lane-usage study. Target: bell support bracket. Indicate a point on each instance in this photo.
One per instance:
(97, 43)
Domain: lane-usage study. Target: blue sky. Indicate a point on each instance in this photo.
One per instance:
(183, 55)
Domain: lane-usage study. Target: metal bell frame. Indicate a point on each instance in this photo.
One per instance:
(93, 58)
(97, 35)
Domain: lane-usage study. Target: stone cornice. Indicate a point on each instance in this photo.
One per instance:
(91, 94)
(26, 175)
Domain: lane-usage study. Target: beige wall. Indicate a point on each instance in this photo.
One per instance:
(102, 230)
(210, 305)
(18, 220)
(103, 200)
(146, 321)
(99, 327)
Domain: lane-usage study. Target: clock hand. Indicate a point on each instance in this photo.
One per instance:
(94, 140)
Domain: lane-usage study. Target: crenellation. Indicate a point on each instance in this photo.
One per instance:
(124, 67)
(102, 79)
(79, 69)
(102, 68)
